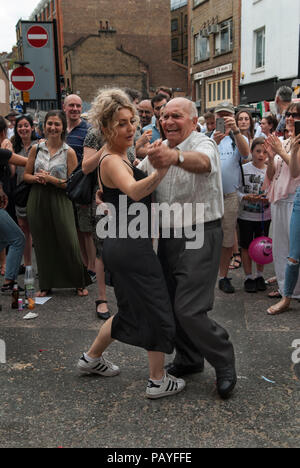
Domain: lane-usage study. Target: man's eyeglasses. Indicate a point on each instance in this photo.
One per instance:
(141, 112)
(295, 115)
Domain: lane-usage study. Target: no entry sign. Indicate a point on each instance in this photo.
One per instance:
(23, 78)
(37, 36)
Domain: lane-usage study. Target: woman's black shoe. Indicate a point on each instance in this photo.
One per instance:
(180, 370)
(102, 315)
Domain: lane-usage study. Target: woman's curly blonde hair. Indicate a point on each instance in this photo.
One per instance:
(105, 106)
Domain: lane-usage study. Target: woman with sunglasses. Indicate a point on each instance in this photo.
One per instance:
(281, 188)
(50, 212)
(23, 140)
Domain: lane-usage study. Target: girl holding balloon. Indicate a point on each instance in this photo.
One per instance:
(254, 218)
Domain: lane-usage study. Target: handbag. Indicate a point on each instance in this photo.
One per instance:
(22, 191)
(21, 194)
(80, 186)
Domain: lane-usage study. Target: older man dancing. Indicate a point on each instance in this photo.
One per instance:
(193, 177)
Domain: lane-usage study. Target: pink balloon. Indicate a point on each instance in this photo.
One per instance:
(260, 250)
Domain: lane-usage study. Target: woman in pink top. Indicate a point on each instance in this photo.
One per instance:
(281, 188)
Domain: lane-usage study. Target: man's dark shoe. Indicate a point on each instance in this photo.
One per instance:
(178, 370)
(260, 284)
(226, 381)
(226, 286)
(250, 286)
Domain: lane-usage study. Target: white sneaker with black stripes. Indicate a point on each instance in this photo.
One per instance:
(169, 386)
(99, 366)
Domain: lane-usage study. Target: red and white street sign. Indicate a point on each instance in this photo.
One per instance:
(37, 36)
(23, 78)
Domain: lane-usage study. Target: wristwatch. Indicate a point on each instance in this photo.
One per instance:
(180, 157)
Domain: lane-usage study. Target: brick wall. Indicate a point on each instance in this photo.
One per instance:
(95, 62)
(143, 29)
(4, 93)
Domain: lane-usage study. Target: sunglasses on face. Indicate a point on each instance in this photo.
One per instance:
(295, 115)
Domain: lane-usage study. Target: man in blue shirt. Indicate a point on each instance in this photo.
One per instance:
(157, 102)
(77, 127)
(76, 132)
(233, 147)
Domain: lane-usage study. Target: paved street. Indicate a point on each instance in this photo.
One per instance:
(45, 403)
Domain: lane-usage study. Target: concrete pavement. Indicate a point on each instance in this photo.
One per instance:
(45, 403)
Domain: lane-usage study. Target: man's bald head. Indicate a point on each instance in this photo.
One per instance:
(179, 120)
(186, 104)
(73, 109)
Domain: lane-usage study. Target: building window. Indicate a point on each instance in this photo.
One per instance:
(224, 38)
(259, 42)
(175, 44)
(197, 2)
(201, 45)
(174, 24)
(218, 91)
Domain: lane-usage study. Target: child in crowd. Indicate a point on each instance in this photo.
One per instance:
(255, 214)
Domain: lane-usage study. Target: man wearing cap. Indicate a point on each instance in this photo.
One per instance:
(11, 117)
(233, 147)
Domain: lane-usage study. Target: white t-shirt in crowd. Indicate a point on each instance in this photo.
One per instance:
(254, 179)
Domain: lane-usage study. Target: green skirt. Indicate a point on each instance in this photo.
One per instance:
(52, 225)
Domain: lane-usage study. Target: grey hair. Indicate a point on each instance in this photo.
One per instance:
(284, 93)
(194, 111)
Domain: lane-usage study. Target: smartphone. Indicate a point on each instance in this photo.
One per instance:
(297, 127)
(220, 125)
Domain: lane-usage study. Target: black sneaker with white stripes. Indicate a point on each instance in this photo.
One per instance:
(169, 386)
(100, 366)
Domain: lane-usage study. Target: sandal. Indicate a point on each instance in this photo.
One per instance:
(278, 309)
(235, 263)
(81, 292)
(43, 293)
(102, 315)
(275, 295)
(8, 287)
(271, 280)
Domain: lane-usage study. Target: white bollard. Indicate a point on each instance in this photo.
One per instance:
(2, 352)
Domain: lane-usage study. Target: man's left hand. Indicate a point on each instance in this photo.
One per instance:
(160, 155)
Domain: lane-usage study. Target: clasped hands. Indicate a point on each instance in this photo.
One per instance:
(42, 177)
(161, 156)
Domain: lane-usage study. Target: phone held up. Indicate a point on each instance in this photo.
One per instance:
(220, 125)
(297, 127)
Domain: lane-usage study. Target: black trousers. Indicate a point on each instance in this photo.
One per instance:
(191, 276)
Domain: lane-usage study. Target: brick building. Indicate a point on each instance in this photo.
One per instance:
(215, 52)
(179, 31)
(95, 61)
(142, 30)
(4, 91)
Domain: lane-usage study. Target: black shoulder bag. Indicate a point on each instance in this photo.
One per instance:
(22, 191)
(80, 186)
